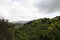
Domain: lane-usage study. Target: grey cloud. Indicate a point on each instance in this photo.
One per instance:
(49, 5)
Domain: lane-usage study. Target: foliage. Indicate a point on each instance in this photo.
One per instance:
(5, 27)
(40, 29)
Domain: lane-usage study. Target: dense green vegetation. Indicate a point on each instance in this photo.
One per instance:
(40, 29)
(5, 33)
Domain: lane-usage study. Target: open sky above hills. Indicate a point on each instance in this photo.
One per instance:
(26, 10)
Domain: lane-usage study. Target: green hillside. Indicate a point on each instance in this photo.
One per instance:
(41, 29)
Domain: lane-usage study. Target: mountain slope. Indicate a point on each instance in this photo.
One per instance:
(41, 29)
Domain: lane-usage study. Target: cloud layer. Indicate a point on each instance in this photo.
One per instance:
(26, 10)
(16, 10)
(49, 5)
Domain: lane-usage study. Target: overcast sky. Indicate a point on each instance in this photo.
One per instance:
(26, 10)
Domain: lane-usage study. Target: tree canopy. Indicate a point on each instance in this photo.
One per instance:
(40, 29)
